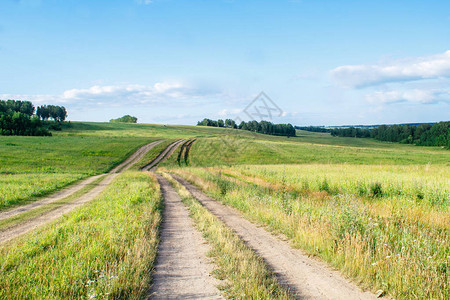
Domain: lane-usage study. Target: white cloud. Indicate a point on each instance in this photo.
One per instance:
(163, 92)
(412, 96)
(429, 67)
(229, 112)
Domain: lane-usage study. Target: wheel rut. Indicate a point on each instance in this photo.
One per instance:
(181, 270)
(306, 278)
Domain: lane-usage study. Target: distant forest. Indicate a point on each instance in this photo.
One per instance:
(437, 134)
(18, 118)
(313, 128)
(264, 127)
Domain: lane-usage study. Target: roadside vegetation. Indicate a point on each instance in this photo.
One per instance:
(381, 236)
(244, 274)
(105, 249)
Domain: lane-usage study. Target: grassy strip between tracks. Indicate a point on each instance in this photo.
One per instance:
(33, 213)
(245, 274)
(105, 249)
(152, 154)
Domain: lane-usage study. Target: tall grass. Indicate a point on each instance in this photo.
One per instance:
(245, 275)
(380, 246)
(103, 249)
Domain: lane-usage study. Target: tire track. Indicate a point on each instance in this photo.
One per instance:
(181, 270)
(48, 216)
(162, 156)
(305, 277)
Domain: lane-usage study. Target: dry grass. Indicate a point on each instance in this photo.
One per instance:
(374, 240)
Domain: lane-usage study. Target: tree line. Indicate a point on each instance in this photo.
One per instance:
(264, 127)
(19, 118)
(313, 128)
(437, 134)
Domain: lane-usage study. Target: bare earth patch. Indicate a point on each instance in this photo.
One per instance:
(182, 271)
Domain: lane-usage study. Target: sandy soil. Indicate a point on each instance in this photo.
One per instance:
(182, 271)
(305, 277)
(48, 216)
(162, 156)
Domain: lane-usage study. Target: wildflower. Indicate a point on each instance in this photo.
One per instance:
(388, 256)
(375, 224)
(91, 296)
(374, 264)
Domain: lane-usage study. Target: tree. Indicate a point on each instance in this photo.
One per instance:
(124, 119)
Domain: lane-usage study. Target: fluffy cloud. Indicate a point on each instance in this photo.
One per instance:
(435, 66)
(413, 96)
(121, 95)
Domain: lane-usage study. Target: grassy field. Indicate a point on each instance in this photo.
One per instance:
(232, 150)
(377, 211)
(385, 240)
(104, 249)
(36, 166)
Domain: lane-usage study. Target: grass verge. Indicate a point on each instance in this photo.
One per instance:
(103, 249)
(245, 274)
(23, 217)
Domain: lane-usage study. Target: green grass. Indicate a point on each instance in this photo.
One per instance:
(232, 150)
(245, 274)
(389, 242)
(33, 167)
(23, 188)
(105, 249)
(152, 154)
(23, 217)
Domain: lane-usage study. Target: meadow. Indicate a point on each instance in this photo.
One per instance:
(378, 225)
(259, 149)
(33, 167)
(105, 249)
(377, 211)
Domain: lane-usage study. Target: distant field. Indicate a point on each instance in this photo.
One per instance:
(315, 148)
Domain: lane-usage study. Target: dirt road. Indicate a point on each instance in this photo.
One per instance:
(162, 156)
(181, 268)
(58, 211)
(305, 277)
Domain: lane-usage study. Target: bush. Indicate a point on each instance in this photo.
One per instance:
(376, 190)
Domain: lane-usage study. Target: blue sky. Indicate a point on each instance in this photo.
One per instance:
(178, 61)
